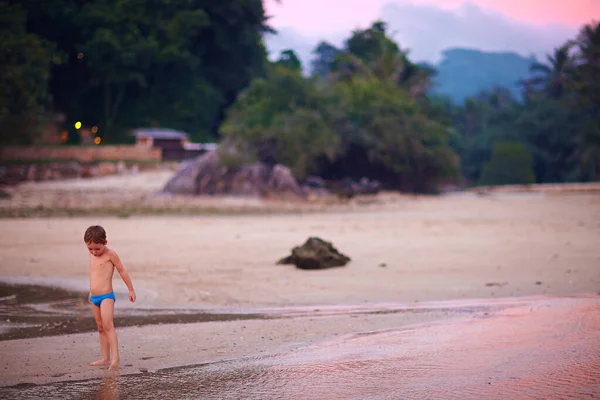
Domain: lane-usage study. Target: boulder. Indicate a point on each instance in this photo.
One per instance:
(315, 253)
(208, 175)
(345, 189)
(315, 187)
(188, 179)
(315, 182)
(90, 171)
(12, 174)
(31, 172)
(121, 168)
(107, 168)
(283, 181)
(368, 186)
(348, 188)
(44, 173)
(70, 170)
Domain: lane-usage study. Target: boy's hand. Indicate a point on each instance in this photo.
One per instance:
(90, 298)
(132, 296)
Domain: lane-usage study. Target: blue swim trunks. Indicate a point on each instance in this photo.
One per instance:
(97, 300)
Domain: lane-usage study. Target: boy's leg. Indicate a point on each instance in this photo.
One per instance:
(104, 345)
(107, 310)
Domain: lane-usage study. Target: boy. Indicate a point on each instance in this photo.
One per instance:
(102, 266)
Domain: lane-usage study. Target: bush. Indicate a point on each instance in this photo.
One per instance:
(510, 163)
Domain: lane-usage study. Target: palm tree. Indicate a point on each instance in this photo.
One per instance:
(588, 41)
(587, 70)
(586, 82)
(554, 75)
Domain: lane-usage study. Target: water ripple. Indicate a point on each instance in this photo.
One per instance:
(550, 350)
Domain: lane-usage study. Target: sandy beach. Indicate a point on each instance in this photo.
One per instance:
(407, 252)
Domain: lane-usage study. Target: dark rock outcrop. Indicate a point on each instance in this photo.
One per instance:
(315, 253)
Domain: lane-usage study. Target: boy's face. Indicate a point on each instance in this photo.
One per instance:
(96, 249)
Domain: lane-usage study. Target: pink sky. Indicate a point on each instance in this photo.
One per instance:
(328, 16)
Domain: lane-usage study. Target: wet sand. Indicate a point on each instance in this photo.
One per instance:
(153, 340)
(430, 266)
(536, 348)
(37, 311)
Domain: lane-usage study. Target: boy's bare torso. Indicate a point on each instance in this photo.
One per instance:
(101, 273)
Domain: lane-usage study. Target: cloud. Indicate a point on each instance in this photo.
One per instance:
(427, 30)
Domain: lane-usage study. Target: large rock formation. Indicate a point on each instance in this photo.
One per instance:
(207, 175)
(315, 253)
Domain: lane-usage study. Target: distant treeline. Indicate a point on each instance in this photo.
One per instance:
(367, 110)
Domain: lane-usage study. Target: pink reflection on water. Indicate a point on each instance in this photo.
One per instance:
(542, 349)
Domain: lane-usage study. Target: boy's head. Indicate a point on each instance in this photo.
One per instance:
(95, 238)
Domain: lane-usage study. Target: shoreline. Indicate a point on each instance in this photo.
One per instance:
(37, 311)
(169, 348)
(153, 348)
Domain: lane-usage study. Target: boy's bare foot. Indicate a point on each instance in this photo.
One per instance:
(114, 365)
(100, 362)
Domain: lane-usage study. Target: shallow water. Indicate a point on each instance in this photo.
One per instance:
(31, 311)
(541, 349)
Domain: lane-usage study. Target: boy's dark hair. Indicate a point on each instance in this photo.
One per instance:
(95, 234)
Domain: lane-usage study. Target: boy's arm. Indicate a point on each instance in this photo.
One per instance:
(114, 257)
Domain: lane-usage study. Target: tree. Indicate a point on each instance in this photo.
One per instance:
(25, 62)
(370, 44)
(169, 63)
(510, 164)
(362, 120)
(387, 135)
(482, 121)
(553, 76)
(587, 70)
(290, 60)
(281, 119)
(324, 56)
(550, 131)
(586, 84)
(371, 52)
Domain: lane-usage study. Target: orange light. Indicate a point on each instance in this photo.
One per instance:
(64, 136)
(97, 140)
(94, 129)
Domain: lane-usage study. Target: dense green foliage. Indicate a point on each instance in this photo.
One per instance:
(510, 163)
(25, 62)
(370, 113)
(558, 120)
(122, 64)
(367, 116)
(366, 111)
